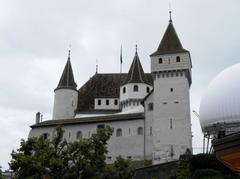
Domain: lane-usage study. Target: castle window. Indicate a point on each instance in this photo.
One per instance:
(100, 126)
(139, 131)
(99, 102)
(171, 124)
(177, 59)
(109, 158)
(69, 134)
(160, 60)
(129, 157)
(150, 106)
(124, 89)
(147, 89)
(171, 89)
(45, 135)
(135, 88)
(107, 102)
(116, 102)
(151, 131)
(79, 135)
(129, 131)
(119, 132)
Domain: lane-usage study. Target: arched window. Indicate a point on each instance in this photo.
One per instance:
(119, 132)
(139, 131)
(135, 88)
(79, 135)
(147, 89)
(124, 89)
(177, 59)
(160, 60)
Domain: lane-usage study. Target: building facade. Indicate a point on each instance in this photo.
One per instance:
(150, 112)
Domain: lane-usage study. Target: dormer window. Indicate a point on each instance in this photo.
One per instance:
(124, 89)
(135, 88)
(160, 60)
(177, 59)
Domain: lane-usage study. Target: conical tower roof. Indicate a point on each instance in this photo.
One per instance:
(170, 42)
(136, 73)
(67, 78)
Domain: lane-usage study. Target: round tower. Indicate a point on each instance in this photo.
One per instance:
(135, 87)
(66, 95)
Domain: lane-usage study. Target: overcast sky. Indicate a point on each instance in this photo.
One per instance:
(35, 38)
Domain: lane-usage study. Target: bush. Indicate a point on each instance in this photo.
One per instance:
(207, 174)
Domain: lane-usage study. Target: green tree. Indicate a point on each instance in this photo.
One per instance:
(56, 159)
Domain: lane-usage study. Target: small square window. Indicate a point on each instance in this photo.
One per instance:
(160, 60)
(150, 106)
(107, 102)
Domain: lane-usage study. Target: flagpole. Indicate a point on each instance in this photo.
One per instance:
(121, 61)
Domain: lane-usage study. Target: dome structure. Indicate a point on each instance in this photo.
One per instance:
(221, 103)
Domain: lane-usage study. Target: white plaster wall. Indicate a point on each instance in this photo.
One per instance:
(130, 144)
(169, 62)
(65, 103)
(179, 136)
(103, 103)
(130, 94)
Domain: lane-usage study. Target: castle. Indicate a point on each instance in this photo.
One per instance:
(150, 112)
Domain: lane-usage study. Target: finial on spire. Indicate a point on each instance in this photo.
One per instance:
(69, 52)
(136, 47)
(170, 16)
(96, 66)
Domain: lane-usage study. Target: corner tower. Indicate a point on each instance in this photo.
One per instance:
(66, 95)
(135, 87)
(171, 70)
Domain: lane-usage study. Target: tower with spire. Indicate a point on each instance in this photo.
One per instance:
(171, 71)
(135, 87)
(66, 95)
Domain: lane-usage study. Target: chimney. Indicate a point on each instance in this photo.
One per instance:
(38, 115)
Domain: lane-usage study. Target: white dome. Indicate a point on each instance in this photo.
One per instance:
(221, 103)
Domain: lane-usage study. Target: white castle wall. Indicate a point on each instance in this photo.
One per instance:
(149, 127)
(130, 144)
(127, 98)
(171, 115)
(169, 62)
(65, 103)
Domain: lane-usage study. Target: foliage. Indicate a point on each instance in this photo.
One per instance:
(57, 159)
(207, 174)
(183, 168)
(1, 172)
(121, 169)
